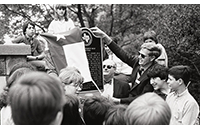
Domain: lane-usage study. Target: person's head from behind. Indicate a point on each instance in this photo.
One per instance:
(158, 76)
(20, 65)
(179, 76)
(71, 115)
(94, 109)
(115, 115)
(61, 11)
(109, 68)
(72, 80)
(150, 36)
(148, 53)
(29, 29)
(16, 75)
(148, 109)
(36, 99)
(10, 81)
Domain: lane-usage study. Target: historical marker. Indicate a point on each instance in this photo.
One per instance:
(94, 54)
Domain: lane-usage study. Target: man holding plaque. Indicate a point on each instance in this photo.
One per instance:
(141, 64)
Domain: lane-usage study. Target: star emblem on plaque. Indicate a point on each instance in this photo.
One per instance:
(87, 37)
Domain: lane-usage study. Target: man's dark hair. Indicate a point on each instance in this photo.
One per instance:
(181, 72)
(158, 71)
(26, 25)
(94, 110)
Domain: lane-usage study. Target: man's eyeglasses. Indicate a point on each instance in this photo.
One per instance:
(108, 66)
(142, 55)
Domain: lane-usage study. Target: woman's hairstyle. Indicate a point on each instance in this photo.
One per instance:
(158, 71)
(71, 115)
(148, 109)
(70, 75)
(181, 72)
(150, 35)
(35, 99)
(115, 115)
(60, 6)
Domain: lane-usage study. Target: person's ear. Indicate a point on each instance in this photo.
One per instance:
(58, 118)
(180, 81)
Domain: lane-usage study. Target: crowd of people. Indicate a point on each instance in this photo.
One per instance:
(36, 94)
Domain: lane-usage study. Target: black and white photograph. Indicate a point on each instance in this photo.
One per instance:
(100, 64)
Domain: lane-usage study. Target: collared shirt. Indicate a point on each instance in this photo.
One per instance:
(184, 108)
(108, 89)
(161, 94)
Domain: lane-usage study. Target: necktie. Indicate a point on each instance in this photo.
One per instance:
(141, 71)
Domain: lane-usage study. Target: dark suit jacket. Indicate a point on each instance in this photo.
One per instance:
(121, 89)
(132, 60)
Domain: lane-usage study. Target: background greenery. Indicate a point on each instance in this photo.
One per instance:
(177, 26)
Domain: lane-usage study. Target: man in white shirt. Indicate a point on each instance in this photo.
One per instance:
(184, 107)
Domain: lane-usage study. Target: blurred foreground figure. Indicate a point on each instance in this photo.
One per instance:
(148, 109)
(37, 99)
(71, 114)
(95, 109)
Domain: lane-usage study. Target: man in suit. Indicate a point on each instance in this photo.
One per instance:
(113, 87)
(141, 64)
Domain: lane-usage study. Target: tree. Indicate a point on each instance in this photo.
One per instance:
(15, 15)
(177, 26)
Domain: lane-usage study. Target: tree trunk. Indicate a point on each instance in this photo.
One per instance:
(112, 19)
(80, 17)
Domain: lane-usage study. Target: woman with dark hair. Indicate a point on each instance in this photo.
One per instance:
(151, 37)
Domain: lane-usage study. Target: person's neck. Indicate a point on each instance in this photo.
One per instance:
(29, 37)
(165, 89)
(145, 67)
(61, 18)
(108, 77)
(181, 89)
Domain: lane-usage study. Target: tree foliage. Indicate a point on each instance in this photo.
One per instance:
(177, 27)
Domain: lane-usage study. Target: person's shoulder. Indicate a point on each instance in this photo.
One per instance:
(120, 81)
(191, 99)
(19, 39)
(170, 95)
(53, 22)
(36, 40)
(70, 20)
